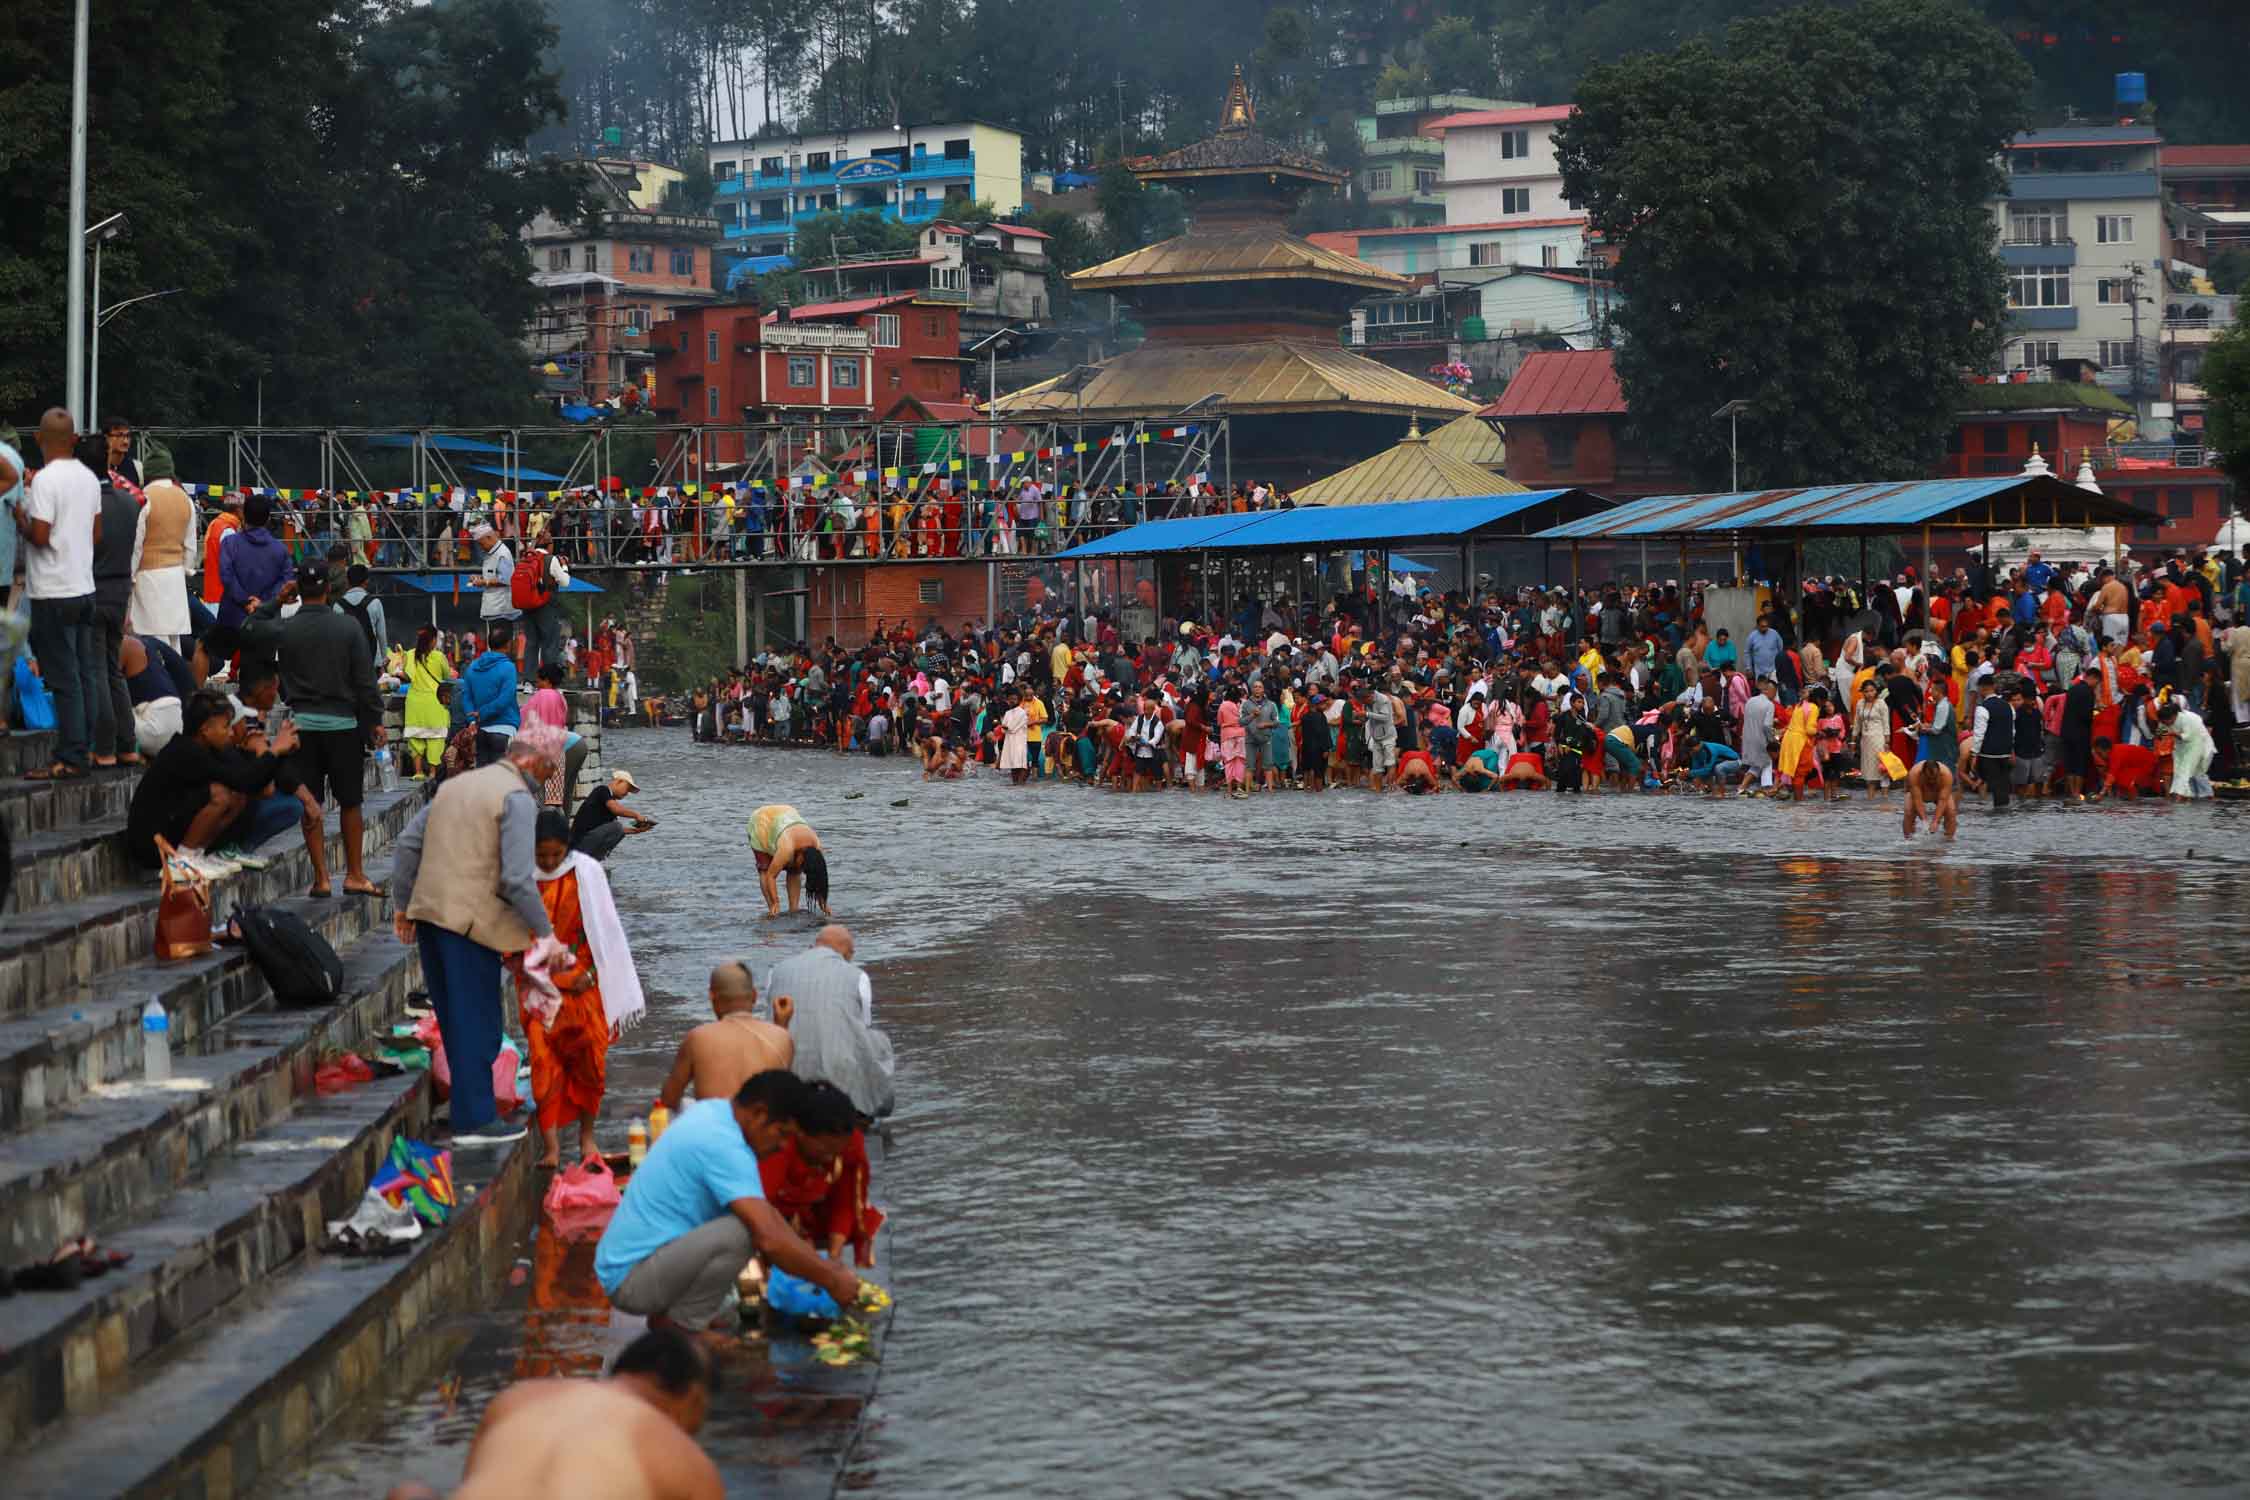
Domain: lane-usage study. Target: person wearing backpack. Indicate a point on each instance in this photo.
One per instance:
(532, 589)
(365, 608)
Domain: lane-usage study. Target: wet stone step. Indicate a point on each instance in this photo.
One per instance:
(91, 1034)
(29, 807)
(45, 952)
(257, 1208)
(121, 1148)
(25, 750)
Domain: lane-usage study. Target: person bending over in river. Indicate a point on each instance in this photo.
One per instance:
(783, 843)
(1930, 787)
(697, 1211)
(721, 1055)
(1417, 772)
(818, 1181)
(632, 1434)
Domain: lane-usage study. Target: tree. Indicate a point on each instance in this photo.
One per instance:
(1805, 224)
(2226, 386)
(2230, 272)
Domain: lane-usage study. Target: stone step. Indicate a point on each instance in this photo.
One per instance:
(92, 1035)
(26, 750)
(222, 1418)
(71, 863)
(253, 1211)
(119, 1150)
(46, 951)
(29, 807)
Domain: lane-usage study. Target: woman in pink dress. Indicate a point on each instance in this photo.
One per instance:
(1234, 745)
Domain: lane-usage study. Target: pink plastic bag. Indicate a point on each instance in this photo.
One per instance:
(581, 1200)
(504, 1068)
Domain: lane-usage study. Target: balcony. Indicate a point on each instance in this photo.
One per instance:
(1394, 335)
(2057, 187)
(2127, 456)
(2042, 319)
(1402, 145)
(2059, 251)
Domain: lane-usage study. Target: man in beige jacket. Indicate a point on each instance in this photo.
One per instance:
(160, 600)
(466, 889)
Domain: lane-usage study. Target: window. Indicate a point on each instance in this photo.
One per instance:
(559, 260)
(2116, 352)
(1405, 310)
(2113, 289)
(843, 372)
(929, 590)
(711, 401)
(1515, 200)
(886, 331)
(957, 150)
(930, 325)
(1425, 179)
(640, 257)
(816, 161)
(1489, 253)
(2046, 225)
(1996, 438)
(2113, 229)
(945, 278)
(683, 262)
(2032, 353)
(802, 375)
(1515, 145)
(722, 171)
(591, 263)
(711, 347)
(827, 200)
(1562, 446)
(2179, 504)
(1549, 256)
(769, 166)
(2039, 286)
(1379, 179)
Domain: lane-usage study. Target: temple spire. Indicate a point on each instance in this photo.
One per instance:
(1237, 113)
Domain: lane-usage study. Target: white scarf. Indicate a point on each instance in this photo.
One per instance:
(622, 1001)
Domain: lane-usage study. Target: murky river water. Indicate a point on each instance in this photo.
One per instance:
(1509, 1146)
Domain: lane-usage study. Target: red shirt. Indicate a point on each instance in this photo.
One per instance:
(2132, 767)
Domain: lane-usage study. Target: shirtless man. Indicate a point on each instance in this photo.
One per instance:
(2110, 602)
(629, 1437)
(719, 1056)
(783, 843)
(1930, 785)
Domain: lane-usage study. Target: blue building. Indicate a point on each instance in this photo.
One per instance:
(769, 184)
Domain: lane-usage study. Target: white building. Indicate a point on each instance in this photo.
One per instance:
(2084, 239)
(769, 183)
(1500, 165)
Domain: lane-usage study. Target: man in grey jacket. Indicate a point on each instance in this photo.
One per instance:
(827, 1004)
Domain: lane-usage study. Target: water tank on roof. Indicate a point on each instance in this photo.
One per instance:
(2132, 90)
(1472, 329)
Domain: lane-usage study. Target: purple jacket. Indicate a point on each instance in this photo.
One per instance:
(252, 565)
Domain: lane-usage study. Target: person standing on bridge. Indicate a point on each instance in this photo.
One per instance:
(496, 576)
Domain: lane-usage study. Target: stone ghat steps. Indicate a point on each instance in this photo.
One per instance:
(48, 946)
(222, 1417)
(33, 807)
(88, 1033)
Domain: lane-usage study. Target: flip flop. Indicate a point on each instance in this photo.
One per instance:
(369, 889)
(56, 772)
(320, 895)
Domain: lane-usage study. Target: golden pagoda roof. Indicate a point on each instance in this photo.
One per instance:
(1257, 253)
(1472, 439)
(1236, 149)
(1416, 469)
(1258, 377)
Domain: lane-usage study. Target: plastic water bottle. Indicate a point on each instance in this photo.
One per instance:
(387, 768)
(636, 1144)
(156, 1042)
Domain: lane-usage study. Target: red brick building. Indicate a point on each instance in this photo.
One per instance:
(729, 364)
(1563, 416)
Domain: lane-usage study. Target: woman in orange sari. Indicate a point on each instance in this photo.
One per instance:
(589, 997)
(818, 1181)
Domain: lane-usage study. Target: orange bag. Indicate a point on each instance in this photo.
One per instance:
(183, 913)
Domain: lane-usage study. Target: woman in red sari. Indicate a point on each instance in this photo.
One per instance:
(818, 1180)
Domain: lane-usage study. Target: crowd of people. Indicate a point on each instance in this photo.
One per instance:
(2035, 681)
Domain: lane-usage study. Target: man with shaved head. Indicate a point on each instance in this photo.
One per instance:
(61, 522)
(719, 1056)
(827, 1004)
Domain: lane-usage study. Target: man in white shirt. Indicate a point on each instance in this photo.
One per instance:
(497, 577)
(60, 520)
(941, 695)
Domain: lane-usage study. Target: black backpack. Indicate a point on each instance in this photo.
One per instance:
(295, 960)
(366, 620)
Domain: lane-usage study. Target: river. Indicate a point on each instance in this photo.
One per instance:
(1328, 1145)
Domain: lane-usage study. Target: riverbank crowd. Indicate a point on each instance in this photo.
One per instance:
(2029, 682)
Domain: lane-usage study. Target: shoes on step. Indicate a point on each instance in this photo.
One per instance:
(210, 866)
(235, 854)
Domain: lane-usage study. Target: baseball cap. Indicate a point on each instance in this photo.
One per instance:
(619, 773)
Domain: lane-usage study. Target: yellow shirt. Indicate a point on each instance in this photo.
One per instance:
(1037, 712)
(1592, 662)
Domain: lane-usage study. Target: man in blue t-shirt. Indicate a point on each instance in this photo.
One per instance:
(695, 1211)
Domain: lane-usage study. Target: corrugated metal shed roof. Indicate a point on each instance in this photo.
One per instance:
(1561, 383)
(1260, 377)
(2192, 157)
(851, 307)
(1537, 114)
(1435, 522)
(1414, 469)
(2013, 500)
(1472, 440)
(1262, 253)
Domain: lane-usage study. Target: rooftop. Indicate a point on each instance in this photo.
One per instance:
(1561, 383)
(847, 309)
(2011, 501)
(1429, 229)
(1257, 253)
(1472, 440)
(1236, 149)
(1415, 469)
(1258, 377)
(2207, 158)
(2085, 135)
(1537, 114)
(2040, 395)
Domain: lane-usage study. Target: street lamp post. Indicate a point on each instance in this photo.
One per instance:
(1733, 411)
(74, 345)
(101, 234)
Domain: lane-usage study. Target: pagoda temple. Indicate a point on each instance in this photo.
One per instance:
(1239, 307)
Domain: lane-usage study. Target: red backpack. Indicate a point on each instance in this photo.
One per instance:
(531, 586)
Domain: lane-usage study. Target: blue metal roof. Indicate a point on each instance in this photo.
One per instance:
(2001, 501)
(533, 476)
(1187, 534)
(443, 441)
(1329, 526)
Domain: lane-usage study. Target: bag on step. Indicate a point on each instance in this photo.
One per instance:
(183, 912)
(295, 960)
